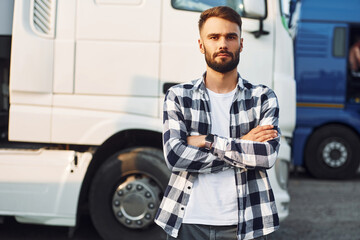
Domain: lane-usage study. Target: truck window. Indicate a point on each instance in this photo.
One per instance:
(339, 42)
(201, 5)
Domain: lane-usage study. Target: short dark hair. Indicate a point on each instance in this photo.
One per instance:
(223, 12)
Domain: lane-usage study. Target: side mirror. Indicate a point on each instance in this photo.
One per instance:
(256, 9)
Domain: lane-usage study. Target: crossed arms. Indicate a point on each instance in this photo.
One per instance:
(257, 149)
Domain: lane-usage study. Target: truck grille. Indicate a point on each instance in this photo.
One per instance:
(43, 17)
(312, 43)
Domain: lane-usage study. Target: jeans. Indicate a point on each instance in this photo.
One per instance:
(206, 232)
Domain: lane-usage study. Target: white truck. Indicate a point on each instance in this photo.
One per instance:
(81, 103)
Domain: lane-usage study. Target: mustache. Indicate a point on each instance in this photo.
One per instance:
(223, 51)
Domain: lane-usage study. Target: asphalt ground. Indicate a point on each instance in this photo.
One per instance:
(319, 209)
(322, 209)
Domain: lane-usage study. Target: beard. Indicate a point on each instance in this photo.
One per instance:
(222, 66)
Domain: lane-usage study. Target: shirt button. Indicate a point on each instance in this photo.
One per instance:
(189, 187)
(182, 208)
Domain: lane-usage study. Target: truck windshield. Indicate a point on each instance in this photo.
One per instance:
(201, 5)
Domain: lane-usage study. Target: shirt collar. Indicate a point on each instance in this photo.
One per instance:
(200, 84)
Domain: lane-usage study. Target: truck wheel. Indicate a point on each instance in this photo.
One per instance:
(333, 152)
(126, 193)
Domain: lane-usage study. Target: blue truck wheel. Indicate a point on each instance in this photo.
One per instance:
(333, 152)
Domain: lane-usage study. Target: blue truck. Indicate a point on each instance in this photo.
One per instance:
(327, 135)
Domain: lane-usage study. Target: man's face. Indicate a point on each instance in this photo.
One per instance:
(221, 43)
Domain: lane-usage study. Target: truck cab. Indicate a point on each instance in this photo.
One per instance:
(86, 87)
(326, 139)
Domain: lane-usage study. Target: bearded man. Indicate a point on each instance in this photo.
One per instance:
(220, 135)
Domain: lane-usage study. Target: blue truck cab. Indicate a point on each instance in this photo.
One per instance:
(326, 139)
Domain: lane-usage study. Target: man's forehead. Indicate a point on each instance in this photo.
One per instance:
(218, 25)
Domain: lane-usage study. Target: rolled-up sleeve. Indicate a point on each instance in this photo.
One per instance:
(179, 155)
(250, 154)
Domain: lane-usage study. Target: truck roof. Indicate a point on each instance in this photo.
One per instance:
(330, 11)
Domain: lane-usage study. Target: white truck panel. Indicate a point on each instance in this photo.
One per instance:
(109, 20)
(144, 106)
(117, 68)
(256, 59)
(31, 98)
(173, 29)
(64, 60)
(48, 178)
(65, 19)
(286, 92)
(29, 123)
(28, 74)
(76, 126)
(181, 60)
(64, 52)
(284, 82)
(6, 16)
(192, 62)
(282, 197)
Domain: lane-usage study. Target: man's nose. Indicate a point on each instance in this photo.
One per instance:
(223, 43)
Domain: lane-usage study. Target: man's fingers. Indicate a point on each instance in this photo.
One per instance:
(272, 133)
(265, 138)
(268, 139)
(262, 128)
(266, 127)
(266, 135)
(261, 133)
(267, 132)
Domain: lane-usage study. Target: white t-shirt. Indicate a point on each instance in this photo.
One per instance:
(213, 200)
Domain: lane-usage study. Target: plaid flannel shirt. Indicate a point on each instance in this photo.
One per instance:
(186, 113)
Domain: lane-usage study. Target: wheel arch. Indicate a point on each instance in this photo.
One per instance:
(119, 141)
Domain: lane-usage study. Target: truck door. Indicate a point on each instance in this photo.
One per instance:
(117, 47)
(321, 64)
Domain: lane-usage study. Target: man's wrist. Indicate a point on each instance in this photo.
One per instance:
(209, 140)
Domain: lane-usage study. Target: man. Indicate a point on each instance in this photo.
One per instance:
(354, 58)
(220, 135)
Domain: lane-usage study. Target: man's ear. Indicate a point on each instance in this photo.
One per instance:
(201, 46)
(241, 44)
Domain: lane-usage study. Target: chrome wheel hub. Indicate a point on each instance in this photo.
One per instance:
(335, 154)
(136, 201)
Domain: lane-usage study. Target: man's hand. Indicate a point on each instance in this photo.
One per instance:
(354, 57)
(261, 134)
(196, 141)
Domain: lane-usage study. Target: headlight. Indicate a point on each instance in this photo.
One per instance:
(282, 173)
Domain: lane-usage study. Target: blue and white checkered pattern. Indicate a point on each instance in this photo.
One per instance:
(187, 113)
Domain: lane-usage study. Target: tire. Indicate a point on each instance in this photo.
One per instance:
(125, 195)
(333, 152)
